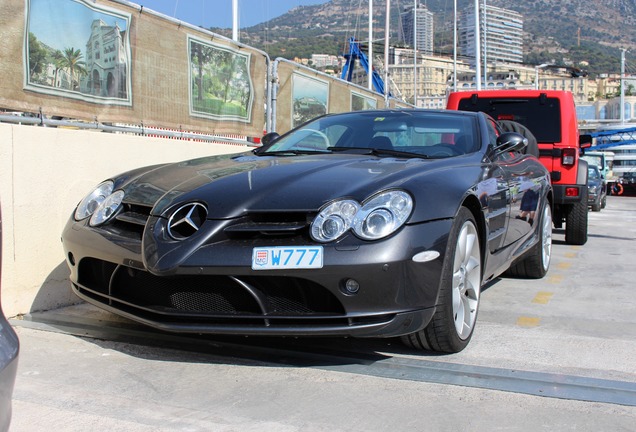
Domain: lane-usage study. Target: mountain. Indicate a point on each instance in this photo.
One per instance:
(561, 31)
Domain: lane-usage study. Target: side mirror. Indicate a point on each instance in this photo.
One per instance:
(269, 138)
(510, 141)
(585, 141)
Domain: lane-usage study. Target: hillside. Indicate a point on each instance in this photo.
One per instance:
(558, 31)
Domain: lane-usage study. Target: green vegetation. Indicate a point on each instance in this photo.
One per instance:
(220, 81)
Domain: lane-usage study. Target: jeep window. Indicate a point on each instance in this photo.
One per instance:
(542, 115)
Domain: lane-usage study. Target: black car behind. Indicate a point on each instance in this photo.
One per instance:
(9, 348)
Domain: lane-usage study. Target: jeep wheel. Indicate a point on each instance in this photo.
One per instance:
(576, 224)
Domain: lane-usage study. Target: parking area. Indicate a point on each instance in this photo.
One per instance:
(551, 354)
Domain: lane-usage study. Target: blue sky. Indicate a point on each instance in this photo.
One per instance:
(47, 17)
(218, 13)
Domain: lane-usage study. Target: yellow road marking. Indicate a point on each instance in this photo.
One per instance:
(571, 254)
(528, 321)
(542, 297)
(564, 265)
(555, 279)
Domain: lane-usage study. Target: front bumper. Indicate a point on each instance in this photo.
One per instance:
(215, 290)
(593, 196)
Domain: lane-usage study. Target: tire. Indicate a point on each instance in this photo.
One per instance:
(596, 207)
(453, 323)
(576, 224)
(604, 202)
(536, 263)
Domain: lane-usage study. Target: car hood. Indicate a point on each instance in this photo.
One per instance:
(233, 185)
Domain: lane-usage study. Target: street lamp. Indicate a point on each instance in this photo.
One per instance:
(536, 73)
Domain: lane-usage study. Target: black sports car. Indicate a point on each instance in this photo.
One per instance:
(368, 224)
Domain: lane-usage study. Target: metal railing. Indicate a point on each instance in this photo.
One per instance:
(140, 130)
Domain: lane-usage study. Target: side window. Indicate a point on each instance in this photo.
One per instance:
(493, 132)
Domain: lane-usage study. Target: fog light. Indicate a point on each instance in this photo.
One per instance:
(352, 286)
(71, 259)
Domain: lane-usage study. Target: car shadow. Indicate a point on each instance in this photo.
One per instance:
(130, 338)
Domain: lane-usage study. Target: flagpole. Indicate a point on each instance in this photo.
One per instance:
(235, 20)
(370, 56)
(386, 53)
(415, 52)
(477, 48)
(454, 45)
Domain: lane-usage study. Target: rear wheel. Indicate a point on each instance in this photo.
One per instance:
(576, 224)
(454, 320)
(536, 264)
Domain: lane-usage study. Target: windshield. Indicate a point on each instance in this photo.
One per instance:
(415, 133)
(593, 174)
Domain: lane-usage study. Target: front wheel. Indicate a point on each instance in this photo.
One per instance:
(454, 320)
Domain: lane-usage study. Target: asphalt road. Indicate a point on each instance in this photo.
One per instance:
(558, 354)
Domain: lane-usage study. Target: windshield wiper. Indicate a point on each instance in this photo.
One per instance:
(377, 152)
(292, 152)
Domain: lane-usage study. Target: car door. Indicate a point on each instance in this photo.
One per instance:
(493, 192)
(524, 179)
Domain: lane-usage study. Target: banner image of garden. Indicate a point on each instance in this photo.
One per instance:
(77, 49)
(221, 86)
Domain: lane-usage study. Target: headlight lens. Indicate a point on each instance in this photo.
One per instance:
(378, 217)
(107, 208)
(93, 200)
(334, 220)
(383, 214)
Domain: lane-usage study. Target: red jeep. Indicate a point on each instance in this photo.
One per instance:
(550, 116)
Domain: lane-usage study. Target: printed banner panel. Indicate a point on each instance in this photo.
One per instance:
(304, 93)
(114, 62)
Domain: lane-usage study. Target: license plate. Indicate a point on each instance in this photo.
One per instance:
(275, 258)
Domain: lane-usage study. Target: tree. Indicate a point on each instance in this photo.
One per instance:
(200, 56)
(72, 60)
(37, 56)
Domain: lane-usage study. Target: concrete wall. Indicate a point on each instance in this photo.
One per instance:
(44, 173)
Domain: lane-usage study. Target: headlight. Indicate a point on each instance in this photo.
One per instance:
(92, 201)
(378, 217)
(107, 208)
(383, 214)
(334, 220)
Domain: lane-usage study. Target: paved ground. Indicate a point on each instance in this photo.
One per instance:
(557, 354)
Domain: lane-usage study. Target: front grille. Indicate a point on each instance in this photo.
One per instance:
(257, 224)
(214, 299)
(131, 220)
